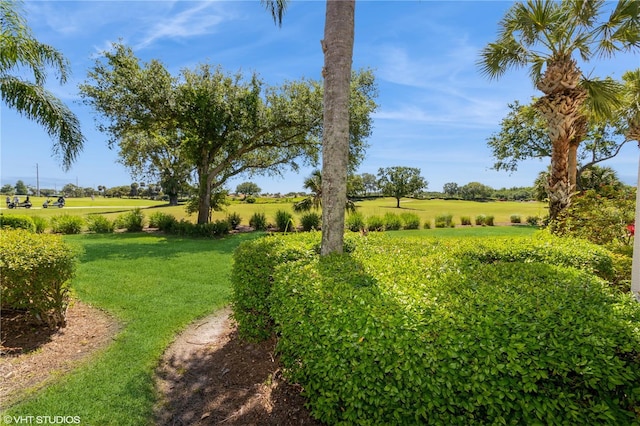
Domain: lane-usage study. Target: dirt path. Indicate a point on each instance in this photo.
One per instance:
(208, 376)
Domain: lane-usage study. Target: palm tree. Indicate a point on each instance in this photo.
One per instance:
(314, 184)
(631, 114)
(19, 50)
(338, 54)
(544, 36)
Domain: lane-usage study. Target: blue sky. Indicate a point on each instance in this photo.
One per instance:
(436, 109)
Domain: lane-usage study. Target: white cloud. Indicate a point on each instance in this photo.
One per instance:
(201, 19)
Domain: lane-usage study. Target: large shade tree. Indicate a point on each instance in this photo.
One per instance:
(24, 63)
(546, 36)
(221, 125)
(398, 182)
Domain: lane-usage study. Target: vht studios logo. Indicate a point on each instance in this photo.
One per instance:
(42, 420)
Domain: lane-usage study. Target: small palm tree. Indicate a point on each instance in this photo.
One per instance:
(19, 50)
(544, 36)
(314, 184)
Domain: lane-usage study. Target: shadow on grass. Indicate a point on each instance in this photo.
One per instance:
(145, 245)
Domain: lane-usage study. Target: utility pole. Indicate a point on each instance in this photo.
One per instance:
(37, 181)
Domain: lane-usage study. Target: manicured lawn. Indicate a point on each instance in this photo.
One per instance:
(155, 286)
(427, 210)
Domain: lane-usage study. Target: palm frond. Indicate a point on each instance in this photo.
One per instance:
(604, 97)
(277, 9)
(41, 106)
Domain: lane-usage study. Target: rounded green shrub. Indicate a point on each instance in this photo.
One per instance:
(132, 221)
(375, 223)
(40, 223)
(234, 220)
(14, 221)
(36, 269)
(444, 221)
(392, 222)
(465, 220)
(162, 221)
(410, 221)
(355, 222)
(481, 220)
(258, 221)
(99, 224)
(67, 224)
(310, 221)
(284, 221)
(515, 218)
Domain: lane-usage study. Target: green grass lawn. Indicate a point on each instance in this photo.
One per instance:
(427, 210)
(154, 285)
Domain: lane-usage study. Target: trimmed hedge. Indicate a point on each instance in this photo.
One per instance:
(67, 224)
(17, 222)
(460, 331)
(36, 269)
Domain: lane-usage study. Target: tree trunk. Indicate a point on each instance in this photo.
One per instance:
(398, 202)
(338, 53)
(173, 199)
(204, 197)
(572, 165)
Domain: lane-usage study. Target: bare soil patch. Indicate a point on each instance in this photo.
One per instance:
(30, 354)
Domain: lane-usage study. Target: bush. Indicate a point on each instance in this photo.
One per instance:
(252, 278)
(206, 230)
(489, 221)
(310, 221)
(40, 223)
(67, 224)
(99, 224)
(533, 220)
(410, 221)
(465, 220)
(162, 221)
(375, 223)
(515, 218)
(132, 221)
(284, 221)
(234, 220)
(250, 200)
(444, 221)
(427, 224)
(481, 220)
(392, 222)
(17, 222)
(36, 269)
(515, 338)
(355, 222)
(258, 221)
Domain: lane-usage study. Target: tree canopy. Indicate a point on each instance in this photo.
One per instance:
(400, 181)
(214, 123)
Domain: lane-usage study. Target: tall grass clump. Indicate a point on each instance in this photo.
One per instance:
(67, 224)
(132, 221)
(234, 220)
(444, 221)
(515, 218)
(355, 222)
(310, 221)
(162, 221)
(410, 220)
(99, 224)
(481, 220)
(258, 221)
(465, 220)
(284, 221)
(375, 223)
(392, 222)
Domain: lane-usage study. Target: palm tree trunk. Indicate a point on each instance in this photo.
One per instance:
(338, 53)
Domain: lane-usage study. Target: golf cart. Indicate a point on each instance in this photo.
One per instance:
(59, 203)
(26, 204)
